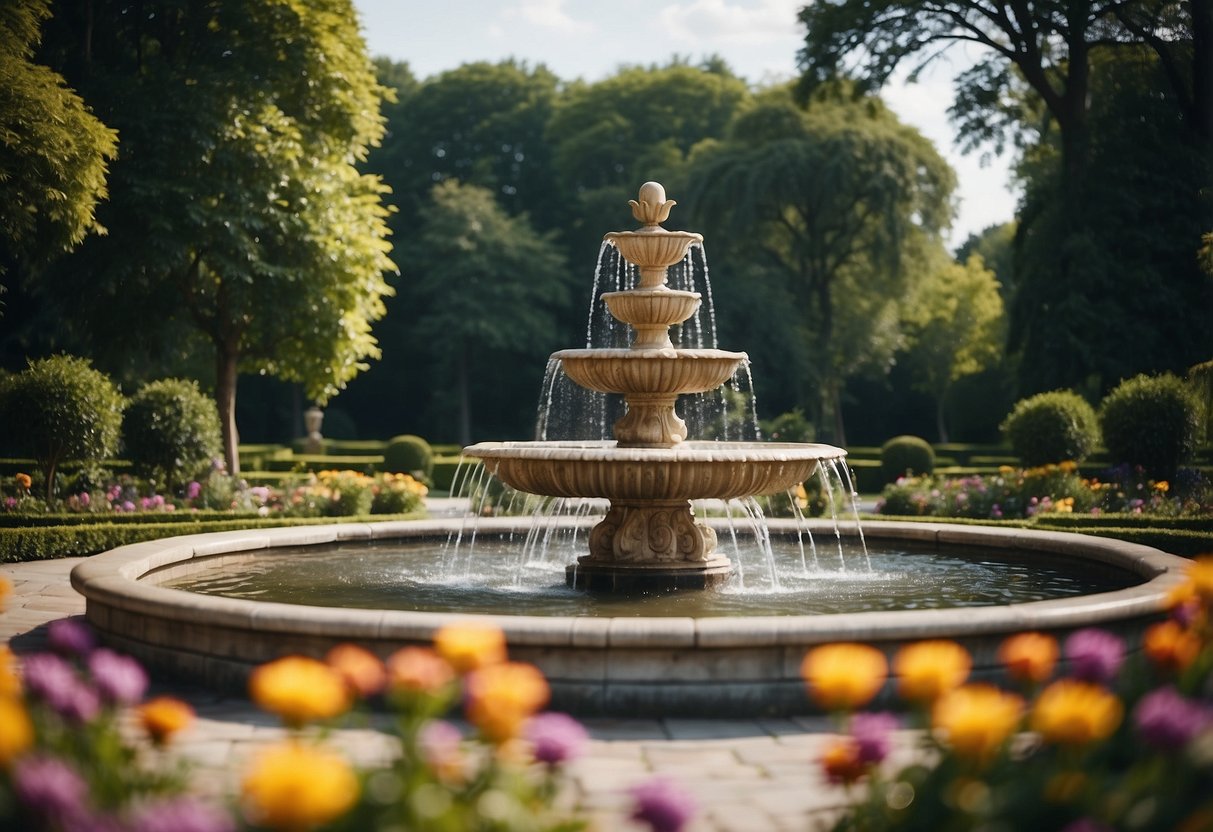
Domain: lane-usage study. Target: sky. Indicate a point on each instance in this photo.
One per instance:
(589, 40)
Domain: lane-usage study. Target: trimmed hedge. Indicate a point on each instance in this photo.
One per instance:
(47, 542)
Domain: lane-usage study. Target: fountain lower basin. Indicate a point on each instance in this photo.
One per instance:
(672, 666)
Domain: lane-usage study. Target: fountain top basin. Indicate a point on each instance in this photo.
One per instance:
(687, 471)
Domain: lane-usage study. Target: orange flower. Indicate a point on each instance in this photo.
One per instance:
(294, 787)
(6, 589)
(470, 645)
(501, 697)
(926, 670)
(841, 762)
(976, 719)
(844, 676)
(24, 481)
(418, 670)
(1029, 657)
(361, 669)
(299, 690)
(1071, 712)
(1200, 576)
(10, 681)
(1170, 646)
(16, 731)
(163, 717)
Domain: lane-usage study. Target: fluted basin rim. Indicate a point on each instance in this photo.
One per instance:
(693, 451)
(650, 355)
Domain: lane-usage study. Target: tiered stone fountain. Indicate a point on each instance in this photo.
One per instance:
(650, 539)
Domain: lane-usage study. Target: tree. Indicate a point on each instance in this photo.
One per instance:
(237, 209)
(53, 150)
(638, 125)
(955, 325)
(488, 283)
(836, 200)
(995, 244)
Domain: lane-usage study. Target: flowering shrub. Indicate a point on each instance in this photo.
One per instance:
(1019, 493)
(1113, 743)
(325, 494)
(64, 764)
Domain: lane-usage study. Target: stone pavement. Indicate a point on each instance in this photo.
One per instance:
(747, 775)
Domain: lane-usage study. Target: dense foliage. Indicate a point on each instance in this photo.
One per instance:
(170, 431)
(906, 456)
(1152, 422)
(1052, 427)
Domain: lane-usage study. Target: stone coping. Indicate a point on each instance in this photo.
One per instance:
(694, 451)
(113, 580)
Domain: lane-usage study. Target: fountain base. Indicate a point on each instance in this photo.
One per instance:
(635, 579)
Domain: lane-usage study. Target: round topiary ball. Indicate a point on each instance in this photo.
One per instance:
(1052, 427)
(1151, 421)
(904, 455)
(171, 431)
(409, 454)
(61, 408)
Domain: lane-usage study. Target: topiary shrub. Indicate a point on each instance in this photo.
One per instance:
(1052, 427)
(904, 455)
(1151, 421)
(61, 408)
(409, 454)
(789, 427)
(171, 431)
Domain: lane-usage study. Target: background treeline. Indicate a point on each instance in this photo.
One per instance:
(248, 223)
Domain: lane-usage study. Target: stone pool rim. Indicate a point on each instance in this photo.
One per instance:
(633, 665)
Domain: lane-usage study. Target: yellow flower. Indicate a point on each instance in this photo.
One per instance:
(418, 670)
(16, 731)
(293, 787)
(361, 669)
(469, 645)
(6, 589)
(926, 670)
(10, 681)
(23, 481)
(1071, 712)
(299, 690)
(1069, 466)
(501, 697)
(163, 717)
(1200, 576)
(1162, 486)
(1029, 657)
(1171, 646)
(976, 720)
(845, 675)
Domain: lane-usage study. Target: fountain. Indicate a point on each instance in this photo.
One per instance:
(649, 539)
(696, 659)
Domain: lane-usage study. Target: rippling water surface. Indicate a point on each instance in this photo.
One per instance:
(496, 577)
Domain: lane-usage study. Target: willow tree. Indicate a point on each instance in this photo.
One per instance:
(53, 150)
(836, 200)
(237, 208)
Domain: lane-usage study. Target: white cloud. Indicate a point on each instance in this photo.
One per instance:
(547, 14)
(722, 21)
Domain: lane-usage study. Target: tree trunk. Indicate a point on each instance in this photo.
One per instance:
(465, 404)
(1202, 67)
(226, 360)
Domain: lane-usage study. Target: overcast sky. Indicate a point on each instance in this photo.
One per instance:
(589, 40)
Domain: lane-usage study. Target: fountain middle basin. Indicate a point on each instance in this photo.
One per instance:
(669, 666)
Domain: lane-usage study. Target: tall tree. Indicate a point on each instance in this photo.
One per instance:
(53, 150)
(955, 327)
(488, 284)
(237, 209)
(837, 200)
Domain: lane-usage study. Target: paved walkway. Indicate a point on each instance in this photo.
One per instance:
(747, 775)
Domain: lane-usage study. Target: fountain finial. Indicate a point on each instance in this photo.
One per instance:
(652, 208)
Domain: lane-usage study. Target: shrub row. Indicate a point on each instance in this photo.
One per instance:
(46, 542)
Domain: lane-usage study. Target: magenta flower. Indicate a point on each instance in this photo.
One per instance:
(662, 804)
(193, 490)
(1086, 825)
(439, 743)
(180, 814)
(557, 738)
(70, 637)
(85, 499)
(50, 789)
(1168, 721)
(1095, 655)
(47, 676)
(119, 679)
(871, 733)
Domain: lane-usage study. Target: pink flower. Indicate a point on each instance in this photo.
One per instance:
(1095, 655)
(557, 738)
(662, 804)
(193, 490)
(85, 499)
